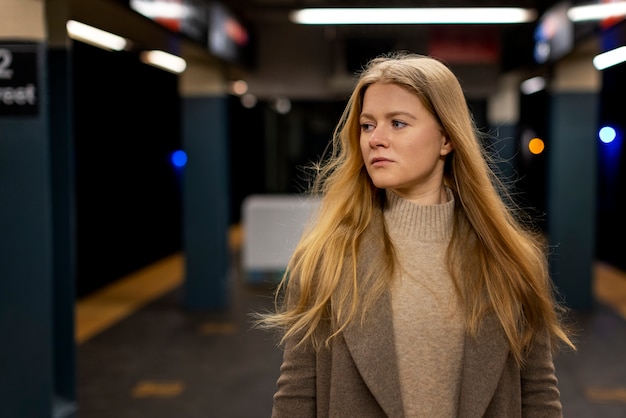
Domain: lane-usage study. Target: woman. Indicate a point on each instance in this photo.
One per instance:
(417, 291)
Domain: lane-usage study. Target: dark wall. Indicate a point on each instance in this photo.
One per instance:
(611, 222)
(532, 176)
(269, 150)
(611, 158)
(246, 154)
(128, 198)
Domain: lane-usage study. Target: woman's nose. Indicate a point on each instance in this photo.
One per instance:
(379, 138)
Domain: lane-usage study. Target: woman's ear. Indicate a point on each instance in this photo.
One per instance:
(446, 145)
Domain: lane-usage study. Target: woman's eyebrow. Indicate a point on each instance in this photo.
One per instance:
(390, 115)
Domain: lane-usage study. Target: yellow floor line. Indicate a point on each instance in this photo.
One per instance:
(99, 311)
(609, 287)
(105, 307)
(156, 389)
(606, 394)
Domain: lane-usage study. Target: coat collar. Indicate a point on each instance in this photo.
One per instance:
(373, 351)
(484, 359)
(372, 348)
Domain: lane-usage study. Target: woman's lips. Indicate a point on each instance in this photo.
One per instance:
(380, 161)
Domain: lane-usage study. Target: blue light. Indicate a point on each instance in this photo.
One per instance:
(607, 134)
(179, 158)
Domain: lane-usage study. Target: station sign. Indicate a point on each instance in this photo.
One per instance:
(19, 90)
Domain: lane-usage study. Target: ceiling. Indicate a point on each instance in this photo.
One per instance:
(287, 52)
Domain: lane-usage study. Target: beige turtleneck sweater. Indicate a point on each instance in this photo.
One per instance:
(427, 320)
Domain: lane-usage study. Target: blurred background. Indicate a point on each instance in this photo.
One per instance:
(158, 167)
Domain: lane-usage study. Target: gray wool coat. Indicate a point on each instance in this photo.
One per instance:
(357, 375)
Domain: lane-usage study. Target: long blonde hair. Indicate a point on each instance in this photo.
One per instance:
(498, 263)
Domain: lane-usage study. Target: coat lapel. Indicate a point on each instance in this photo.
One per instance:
(483, 362)
(373, 351)
(372, 346)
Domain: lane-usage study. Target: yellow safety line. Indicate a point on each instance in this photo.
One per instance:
(609, 287)
(99, 311)
(158, 389)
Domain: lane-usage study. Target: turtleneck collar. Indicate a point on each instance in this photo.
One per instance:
(421, 222)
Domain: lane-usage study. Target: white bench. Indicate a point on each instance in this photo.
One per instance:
(272, 226)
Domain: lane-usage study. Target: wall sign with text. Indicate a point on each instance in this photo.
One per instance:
(19, 94)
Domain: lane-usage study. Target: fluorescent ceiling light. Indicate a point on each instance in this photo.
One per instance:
(155, 9)
(95, 36)
(533, 85)
(163, 60)
(448, 15)
(597, 11)
(610, 58)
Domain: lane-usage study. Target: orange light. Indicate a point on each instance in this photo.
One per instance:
(536, 146)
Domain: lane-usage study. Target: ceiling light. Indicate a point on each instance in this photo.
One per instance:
(95, 36)
(448, 15)
(156, 9)
(533, 85)
(163, 60)
(238, 87)
(597, 11)
(610, 58)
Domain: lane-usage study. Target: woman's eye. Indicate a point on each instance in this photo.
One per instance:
(398, 124)
(366, 126)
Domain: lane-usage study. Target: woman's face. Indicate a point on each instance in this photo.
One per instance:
(402, 144)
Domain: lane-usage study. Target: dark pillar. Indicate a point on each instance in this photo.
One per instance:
(206, 198)
(63, 227)
(26, 351)
(572, 180)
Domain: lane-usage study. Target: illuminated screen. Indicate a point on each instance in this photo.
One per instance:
(554, 35)
(209, 24)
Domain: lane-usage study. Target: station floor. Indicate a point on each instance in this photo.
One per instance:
(141, 354)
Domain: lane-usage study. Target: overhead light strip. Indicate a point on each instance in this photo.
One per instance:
(164, 61)
(94, 36)
(597, 11)
(155, 9)
(610, 58)
(533, 85)
(399, 16)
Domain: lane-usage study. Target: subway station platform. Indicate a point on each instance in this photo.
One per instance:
(142, 355)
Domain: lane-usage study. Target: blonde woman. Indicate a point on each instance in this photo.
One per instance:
(417, 291)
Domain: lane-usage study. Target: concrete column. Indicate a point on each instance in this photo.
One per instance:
(63, 206)
(572, 176)
(26, 301)
(206, 186)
